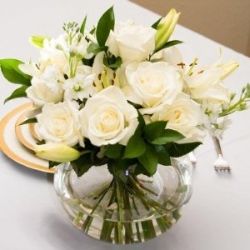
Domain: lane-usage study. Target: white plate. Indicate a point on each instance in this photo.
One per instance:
(10, 144)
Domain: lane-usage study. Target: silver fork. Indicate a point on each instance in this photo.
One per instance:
(220, 165)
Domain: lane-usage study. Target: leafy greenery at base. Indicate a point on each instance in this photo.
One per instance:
(151, 144)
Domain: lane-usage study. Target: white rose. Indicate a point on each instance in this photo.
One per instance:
(205, 85)
(81, 86)
(108, 118)
(131, 42)
(184, 116)
(58, 124)
(152, 85)
(46, 88)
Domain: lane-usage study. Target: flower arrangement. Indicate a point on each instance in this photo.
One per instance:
(121, 94)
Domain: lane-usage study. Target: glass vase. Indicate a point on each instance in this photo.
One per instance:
(124, 210)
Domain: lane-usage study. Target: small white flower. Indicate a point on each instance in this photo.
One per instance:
(152, 85)
(184, 116)
(81, 86)
(58, 123)
(131, 42)
(46, 88)
(108, 118)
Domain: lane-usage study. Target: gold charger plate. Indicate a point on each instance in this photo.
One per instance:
(13, 145)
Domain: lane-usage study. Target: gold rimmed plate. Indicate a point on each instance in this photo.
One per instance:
(17, 141)
(26, 134)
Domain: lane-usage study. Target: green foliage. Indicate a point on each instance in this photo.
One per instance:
(163, 155)
(12, 73)
(178, 150)
(167, 136)
(91, 156)
(136, 145)
(168, 44)
(111, 61)
(114, 151)
(151, 144)
(83, 25)
(155, 25)
(157, 133)
(82, 164)
(149, 160)
(105, 24)
(95, 48)
(38, 41)
(118, 168)
(88, 62)
(20, 92)
(238, 105)
(28, 121)
(53, 164)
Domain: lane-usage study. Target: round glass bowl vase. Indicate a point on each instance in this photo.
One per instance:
(124, 210)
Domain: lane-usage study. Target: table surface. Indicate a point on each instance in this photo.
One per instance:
(31, 217)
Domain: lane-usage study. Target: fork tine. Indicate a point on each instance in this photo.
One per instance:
(220, 165)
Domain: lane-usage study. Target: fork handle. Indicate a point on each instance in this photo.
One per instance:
(217, 145)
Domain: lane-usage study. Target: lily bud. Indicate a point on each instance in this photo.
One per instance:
(166, 27)
(228, 68)
(56, 152)
(38, 41)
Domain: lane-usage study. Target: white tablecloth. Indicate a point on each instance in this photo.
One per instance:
(31, 217)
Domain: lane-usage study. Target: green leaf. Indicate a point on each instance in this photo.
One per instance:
(118, 169)
(136, 145)
(28, 121)
(178, 150)
(154, 130)
(167, 136)
(149, 160)
(88, 62)
(112, 62)
(141, 120)
(157, 133)
(155, 25)
(11, 71)
(20, 92)
(83, 25)
(163, 155)
(53, 164)
(168, 44)
(153, 127)
(38, 41)
(114, 151)
(82, 164)
(94, 48)
(104, 26)
(41, 142)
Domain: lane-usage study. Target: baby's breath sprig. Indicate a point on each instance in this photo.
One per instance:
(72, 29)
(239, 105)
(73, 37)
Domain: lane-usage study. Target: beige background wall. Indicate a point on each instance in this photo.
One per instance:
(225, 21)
